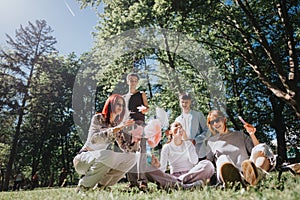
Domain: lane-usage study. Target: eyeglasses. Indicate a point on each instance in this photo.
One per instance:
(120, 104)
(216, 120)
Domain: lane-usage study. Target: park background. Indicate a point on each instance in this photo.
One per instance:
(254, 46)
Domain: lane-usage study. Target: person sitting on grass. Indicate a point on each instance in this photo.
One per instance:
(230, 151)
(182, 158)
(98, 161)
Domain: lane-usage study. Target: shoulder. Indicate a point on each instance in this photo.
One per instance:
(213, 138)
(197, 113)
(142, 93)
(188, 143)
(178, 118)
(165, 147)
(98, 118)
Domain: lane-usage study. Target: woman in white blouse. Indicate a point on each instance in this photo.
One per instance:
(181, 157)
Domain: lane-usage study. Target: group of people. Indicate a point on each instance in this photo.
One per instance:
(196, 150)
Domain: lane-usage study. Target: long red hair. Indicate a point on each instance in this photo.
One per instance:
(109, 107)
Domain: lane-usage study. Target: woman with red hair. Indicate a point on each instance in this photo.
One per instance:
(97, 161)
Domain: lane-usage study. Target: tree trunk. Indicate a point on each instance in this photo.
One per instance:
(279, 126)
(14, 146)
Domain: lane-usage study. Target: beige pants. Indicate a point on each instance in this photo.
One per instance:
(104, 167)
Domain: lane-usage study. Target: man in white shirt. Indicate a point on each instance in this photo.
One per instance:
(194, 123)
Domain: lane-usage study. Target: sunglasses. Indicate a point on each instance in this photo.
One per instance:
(215, 121)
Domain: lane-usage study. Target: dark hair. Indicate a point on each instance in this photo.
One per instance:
(170, 135)
(109, 107)
(132, 74)
(185, 96)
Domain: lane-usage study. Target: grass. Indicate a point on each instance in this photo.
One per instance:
(270, 188)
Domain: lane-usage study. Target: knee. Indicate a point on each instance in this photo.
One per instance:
(263, 162)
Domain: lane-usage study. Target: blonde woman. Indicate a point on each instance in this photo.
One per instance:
(238, 157)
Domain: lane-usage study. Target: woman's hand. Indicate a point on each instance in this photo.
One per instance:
(154, 161)
(127, 123)
(250, 129)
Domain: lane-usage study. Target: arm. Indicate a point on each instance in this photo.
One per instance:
(99, 133)
(154, 161)
(192, 154)
(164, 158)
(202, 131)
(251, 130)
(145, 102)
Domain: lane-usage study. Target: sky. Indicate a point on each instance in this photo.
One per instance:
(72, 26)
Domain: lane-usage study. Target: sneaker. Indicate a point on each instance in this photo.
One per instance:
(252, 174)
(143, 186)
(230, 175)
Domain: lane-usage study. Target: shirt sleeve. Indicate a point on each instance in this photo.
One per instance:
(209, 153)
(248, 143)
(164, 157)
(202, 132)
(192, 154)
(98, 133)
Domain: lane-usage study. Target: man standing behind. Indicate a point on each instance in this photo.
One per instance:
(194, 123)
(137, 105)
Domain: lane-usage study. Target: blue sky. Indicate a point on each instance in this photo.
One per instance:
(72, 26)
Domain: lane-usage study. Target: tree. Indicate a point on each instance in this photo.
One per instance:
(29, 49)
(265, 36)
(256, 38)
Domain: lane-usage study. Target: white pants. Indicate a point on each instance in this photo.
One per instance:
(105, 167)
(255, 151)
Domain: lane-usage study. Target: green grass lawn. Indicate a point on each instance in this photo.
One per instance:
(270, 188)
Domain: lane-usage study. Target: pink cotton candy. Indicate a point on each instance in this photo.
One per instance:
(153, 132)
(137, 134)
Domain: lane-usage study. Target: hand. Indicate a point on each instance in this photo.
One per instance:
(154, 161)
(137, 134)
(129, 122)
(250, 129)
(193, 141)
(143, 109)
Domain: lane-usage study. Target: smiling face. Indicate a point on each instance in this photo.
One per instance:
(216, 121)
(185, 105)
